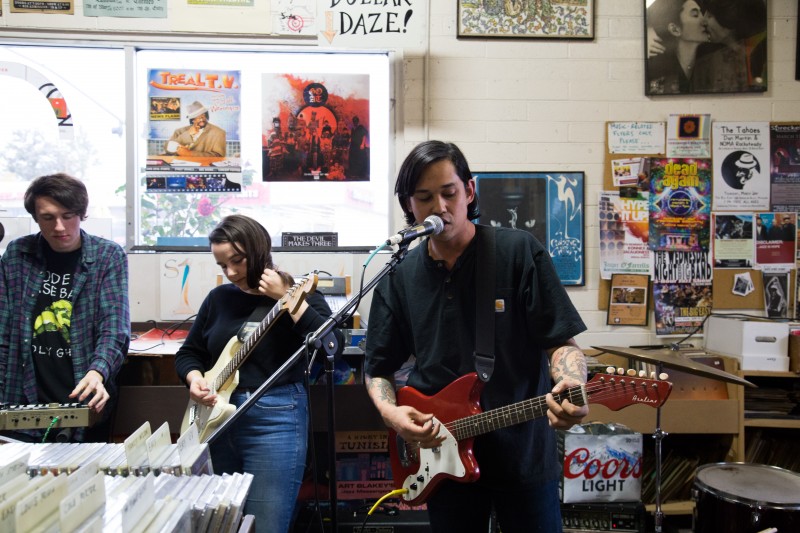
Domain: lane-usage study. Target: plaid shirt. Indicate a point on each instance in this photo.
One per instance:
(100, 325)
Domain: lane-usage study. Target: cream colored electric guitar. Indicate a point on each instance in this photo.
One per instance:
(224, 376)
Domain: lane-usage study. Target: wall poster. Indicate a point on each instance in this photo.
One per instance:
(193, 141)
(316, 127)
(549, 205)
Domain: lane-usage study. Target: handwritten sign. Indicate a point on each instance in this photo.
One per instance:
(372, 23)
(636, 137)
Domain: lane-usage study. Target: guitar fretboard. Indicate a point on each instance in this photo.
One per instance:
(517, 413)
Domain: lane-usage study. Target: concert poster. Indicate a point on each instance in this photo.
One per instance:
(628, 300)
(689, 136)
(624, 224)
(315, 127)
(182, 157)
(680, 204)
(682, 296)
(776, 240)
(785, 167)
(741, 157)
(733, 240)
(548, 205)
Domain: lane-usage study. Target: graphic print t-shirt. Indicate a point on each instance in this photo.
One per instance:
(50, 345)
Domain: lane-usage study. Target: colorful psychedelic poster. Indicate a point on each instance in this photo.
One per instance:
(680, 204)
(193, 141)
(682, 295)
(315, 127)
(741, 161)
(784, 145)
(733, 240)
(776, 240)
(624, 223)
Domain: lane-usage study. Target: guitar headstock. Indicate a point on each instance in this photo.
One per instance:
(296, 295)
(618, 389)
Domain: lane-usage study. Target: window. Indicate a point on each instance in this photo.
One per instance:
(63, 110)
(67, 113)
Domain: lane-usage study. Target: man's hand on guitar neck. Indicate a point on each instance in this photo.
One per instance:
(413, 426)
(568, 369)
(199, 390)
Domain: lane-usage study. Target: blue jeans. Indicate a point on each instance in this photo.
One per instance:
(466, 508)
(268, 441)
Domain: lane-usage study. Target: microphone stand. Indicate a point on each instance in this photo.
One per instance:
(323, 338)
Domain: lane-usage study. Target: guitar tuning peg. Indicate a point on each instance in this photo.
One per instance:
(663, 376)
(652, 375)
(631, 372)
(609, 370)
(621, 371)
(642, 373)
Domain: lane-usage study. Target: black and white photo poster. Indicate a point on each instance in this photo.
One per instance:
(741, 166)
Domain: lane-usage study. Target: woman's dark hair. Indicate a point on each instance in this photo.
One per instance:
(422, 156)
(661, 14)
(250, 239)
(63, 188)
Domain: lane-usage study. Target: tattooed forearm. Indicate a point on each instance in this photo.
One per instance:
(381, 390)
(568, 361)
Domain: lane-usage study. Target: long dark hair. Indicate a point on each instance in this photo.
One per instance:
(422, 156)
(249, 238)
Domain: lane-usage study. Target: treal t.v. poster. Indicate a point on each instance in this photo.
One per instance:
(740, 152)
(680, 204)
(193, 139)
(315, 127)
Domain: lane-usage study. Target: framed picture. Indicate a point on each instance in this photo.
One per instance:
(628, 300)
(541, 19)
(549, 205)
(713, 49)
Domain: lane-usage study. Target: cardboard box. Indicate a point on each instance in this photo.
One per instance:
(759, 344)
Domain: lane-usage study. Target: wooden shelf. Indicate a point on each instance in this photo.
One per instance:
(677, 416)
(771, 423)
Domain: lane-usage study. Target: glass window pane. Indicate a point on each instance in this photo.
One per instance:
(63, 111)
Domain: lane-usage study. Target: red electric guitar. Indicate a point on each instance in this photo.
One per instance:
(458, 410)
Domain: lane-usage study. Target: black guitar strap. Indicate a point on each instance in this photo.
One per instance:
(485, 302)
(252, 322)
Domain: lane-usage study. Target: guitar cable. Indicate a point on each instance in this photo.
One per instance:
(395, 492)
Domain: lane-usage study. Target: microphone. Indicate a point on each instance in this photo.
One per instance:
(431, 225)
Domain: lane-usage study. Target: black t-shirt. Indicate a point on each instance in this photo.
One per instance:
(50, 345)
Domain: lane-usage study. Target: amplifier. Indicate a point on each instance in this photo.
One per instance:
(598, 517)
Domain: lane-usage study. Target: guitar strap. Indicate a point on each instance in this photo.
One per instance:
(252, 322)
(485, 302)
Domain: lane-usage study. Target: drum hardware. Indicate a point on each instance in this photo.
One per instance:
(663, 357)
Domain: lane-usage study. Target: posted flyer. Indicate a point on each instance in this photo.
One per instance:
(680, 204)
(741, 166)
(624, 225)
(785, 170)
(681, 291)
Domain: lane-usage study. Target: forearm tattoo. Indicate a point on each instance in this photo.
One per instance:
(384, 389)
(568, 362)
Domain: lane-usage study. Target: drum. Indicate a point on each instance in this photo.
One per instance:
(745, 498)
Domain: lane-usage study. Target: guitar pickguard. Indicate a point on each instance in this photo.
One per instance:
(433, 462)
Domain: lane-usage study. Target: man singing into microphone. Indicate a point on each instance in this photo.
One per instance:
(427, 309)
